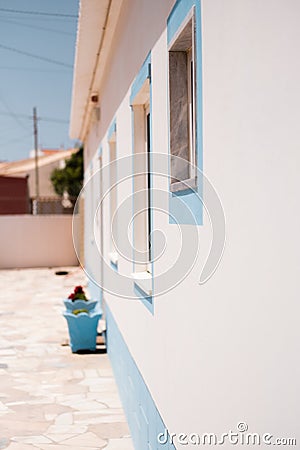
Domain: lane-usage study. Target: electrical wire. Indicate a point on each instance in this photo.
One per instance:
(11, 113)
(36, 27)
(35, 69)
(38, 13)
(21, 138)
(24, 116)
(32, 55)
(7, 132)
(44, 119)
(49, 119)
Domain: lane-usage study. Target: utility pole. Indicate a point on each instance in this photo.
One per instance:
(35, 133)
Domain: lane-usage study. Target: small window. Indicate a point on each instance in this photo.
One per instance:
(142, 223)
(182, 96)
(113, 255)
(142, 185)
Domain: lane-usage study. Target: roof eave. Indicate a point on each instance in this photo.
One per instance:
(96, 25)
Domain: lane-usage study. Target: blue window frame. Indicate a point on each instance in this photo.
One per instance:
(112, 144)
(185, 113)
(141, 104)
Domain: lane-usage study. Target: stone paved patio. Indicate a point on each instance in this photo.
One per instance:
(50, 398)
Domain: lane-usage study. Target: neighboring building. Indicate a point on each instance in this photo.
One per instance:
(217, 83)
(35, 233)
(48, 160)
(14, 198)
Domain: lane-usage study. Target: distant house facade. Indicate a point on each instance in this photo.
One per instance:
(48, 160)
(163, 91)
(35, 232)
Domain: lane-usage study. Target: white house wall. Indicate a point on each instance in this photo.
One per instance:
(216, 354)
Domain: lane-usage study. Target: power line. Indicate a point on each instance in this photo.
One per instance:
(66, 33)
(24, 116)
(7, 132)
(61, 20)
(34, 18)
(50, 119)
(42, 58)
(44, 119)
(34, 69)
(21, 138)
(38, 13)
(11, 113)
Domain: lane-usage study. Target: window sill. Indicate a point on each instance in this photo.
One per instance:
(113, 256)
(179, 186)
(143, 280)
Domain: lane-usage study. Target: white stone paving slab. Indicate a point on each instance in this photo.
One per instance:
(52, 399)
(120, 444)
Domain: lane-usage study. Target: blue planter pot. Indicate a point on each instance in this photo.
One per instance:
(80, 304)
(82, 330)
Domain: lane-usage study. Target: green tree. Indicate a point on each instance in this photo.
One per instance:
(69, 179)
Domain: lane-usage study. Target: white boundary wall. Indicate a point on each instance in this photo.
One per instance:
(36, 241)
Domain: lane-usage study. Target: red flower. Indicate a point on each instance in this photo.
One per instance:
(71, 296)
(78, 290)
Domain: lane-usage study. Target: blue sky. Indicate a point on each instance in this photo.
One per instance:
(26, 82)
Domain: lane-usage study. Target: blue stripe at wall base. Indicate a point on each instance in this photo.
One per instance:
(95, 293)
(143, 417)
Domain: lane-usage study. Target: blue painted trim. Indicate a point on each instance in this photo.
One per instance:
(114, 266)
(177, 16)
(150, 305)
(144, 419)
(99, 154)
(186, 206)
(144, 73)
(132, 184)
(147, 300)
(112, 129)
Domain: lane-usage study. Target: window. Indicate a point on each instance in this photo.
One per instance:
(142, 211)
(142, 222)
(182, 97)
(113, 255)
(147, 125)
(100, 218)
